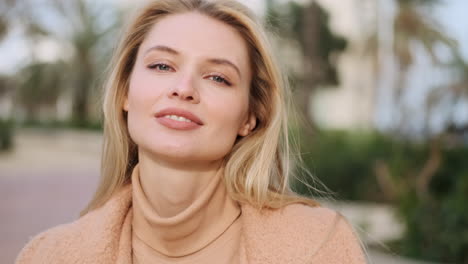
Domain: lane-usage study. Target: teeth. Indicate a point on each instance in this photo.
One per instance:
(178, 118)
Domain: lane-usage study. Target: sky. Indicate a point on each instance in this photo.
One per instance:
(453, 16)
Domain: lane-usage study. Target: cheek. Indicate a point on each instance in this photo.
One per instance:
(231, 113)
(142, 87)
(144, 90)
(140, 97)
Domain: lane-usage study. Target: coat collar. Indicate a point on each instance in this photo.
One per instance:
(104, 235)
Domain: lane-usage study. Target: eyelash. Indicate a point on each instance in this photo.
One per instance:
(220, 78)
(156, 65)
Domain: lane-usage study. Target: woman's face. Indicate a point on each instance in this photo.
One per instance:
(189, 90)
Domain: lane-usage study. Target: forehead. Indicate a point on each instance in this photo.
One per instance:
(198, 35)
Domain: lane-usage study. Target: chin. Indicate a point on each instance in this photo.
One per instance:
(181, 151)
(185, 156)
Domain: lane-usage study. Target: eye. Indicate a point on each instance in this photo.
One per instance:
(219, 79)
(160, 67)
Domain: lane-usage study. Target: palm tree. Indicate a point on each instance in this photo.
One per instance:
(412, 27)
(308, 26)
(39, 86)
(85, 29)
(5, 6)
(3, 27)
(446, 98)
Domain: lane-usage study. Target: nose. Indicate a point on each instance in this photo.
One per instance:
(185, 90)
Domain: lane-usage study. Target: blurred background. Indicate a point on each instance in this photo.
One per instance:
(381, 85)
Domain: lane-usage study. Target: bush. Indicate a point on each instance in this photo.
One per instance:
(6, 134)
(346, 162)
(73, 124)
(436, 217)
(437, 227)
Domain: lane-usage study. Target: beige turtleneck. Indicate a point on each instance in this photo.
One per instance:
(207, 231)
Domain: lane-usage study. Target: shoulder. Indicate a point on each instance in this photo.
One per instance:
(313, 234)
(47, 244)
(92, 232)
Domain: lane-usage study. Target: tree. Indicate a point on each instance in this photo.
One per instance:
(445, 99)
(414, 27)
(85, 31)
(5, 6)
(39, 86)
(308, 26)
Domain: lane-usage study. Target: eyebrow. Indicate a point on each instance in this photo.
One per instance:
(162, 48)
(217, 61)
(225, 62)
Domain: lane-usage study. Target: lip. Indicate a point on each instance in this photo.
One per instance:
(196, 121)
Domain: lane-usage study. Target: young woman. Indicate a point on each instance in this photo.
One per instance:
(195, 159)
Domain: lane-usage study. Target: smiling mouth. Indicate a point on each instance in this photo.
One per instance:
(178, 118)
(179, 115)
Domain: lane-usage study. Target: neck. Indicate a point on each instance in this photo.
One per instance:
(171, 187)
(179, 212)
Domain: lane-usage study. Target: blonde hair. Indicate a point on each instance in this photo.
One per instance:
(258, 168)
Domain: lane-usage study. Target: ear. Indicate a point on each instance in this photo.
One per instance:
(248, 126)
(125, 104)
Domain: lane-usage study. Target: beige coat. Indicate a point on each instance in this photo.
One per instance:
(296, 234)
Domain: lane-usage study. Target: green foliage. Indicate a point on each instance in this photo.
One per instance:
(54, 124)
(437, 227)
(419, 2)
(84, 33)
(436, 223)
(345, 162)
(3, 28)
(289, 20)
(39, 85)
(6, 134)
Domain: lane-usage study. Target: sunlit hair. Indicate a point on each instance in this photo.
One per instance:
(258, 168)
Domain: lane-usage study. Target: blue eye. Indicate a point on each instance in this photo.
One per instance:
(160, 67)
(220, 79)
